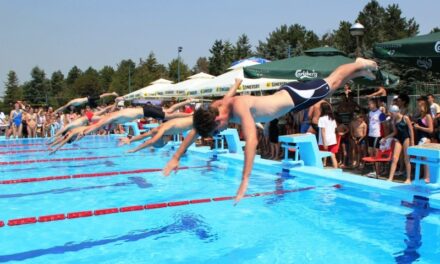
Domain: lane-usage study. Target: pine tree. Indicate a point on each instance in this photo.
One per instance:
(37, 90)
(13, 91)
(242, 48)
(202, 65)
(222, 55)
(173, 72)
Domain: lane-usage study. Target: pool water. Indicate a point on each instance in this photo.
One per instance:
(297, 219)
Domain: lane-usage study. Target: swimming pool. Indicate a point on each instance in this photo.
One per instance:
(117, 208)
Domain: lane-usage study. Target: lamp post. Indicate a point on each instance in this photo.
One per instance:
(179, 50)
(357, 31)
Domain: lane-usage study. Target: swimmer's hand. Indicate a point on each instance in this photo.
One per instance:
(173, 164)
(132, 150)
(242, 190)
(124, 141)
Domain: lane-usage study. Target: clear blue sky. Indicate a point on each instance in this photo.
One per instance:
(57, 34)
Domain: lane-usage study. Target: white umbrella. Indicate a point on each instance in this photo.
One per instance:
(150, 89)
(221, 84)
(179, 89)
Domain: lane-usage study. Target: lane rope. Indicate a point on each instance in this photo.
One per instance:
(91, 175)
(55, 160)
(132, 208)
(47, 150)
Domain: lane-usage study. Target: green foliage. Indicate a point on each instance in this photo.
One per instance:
(202, 65)
(88, 84)
(294, 37)
(13, 91)
(105, 77)
(37, 91)
(172, 70)
(343, 40)
(148, 71)
(222, 55)
(120, 80)
(242, 48)
(435, 30)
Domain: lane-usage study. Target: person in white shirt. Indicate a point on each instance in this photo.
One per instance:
(433, 106)
(375, 117)
(327, 132)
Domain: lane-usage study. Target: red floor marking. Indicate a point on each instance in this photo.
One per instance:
(88, 175)
(115, 210)
(55, 160)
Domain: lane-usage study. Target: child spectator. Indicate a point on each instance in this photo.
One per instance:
(342, 132)
(375, 117)
(327, 132)
(358, 133)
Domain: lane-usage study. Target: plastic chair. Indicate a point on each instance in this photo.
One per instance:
(382, 156)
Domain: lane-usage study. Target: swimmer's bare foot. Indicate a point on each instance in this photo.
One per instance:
(427, 180)
(367, 74)
(408, 181)
(390, 180)
(367, 64)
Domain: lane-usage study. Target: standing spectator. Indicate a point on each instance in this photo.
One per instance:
(4, 126)
(375, 117)
(16, 119)
(31, 121)
(273, 138)
(314, 115)
(342, 132)
(433, 106)
(404, 134)
(327, 132)
(424, 127)
(41, 119)
(358, 133)
(403, 102)
(380, 92)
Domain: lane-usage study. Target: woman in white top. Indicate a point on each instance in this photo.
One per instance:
(327, 132)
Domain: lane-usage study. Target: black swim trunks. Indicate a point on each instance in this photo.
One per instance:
(92, 101)
(306, 94)
(155, 112)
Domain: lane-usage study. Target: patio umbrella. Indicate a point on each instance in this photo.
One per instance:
(317, 63)
(420, 51)
(150, 89)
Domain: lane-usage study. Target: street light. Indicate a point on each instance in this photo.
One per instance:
(179, 50)
(357, 30)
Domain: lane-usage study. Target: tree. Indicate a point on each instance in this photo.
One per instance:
(396, 26)
(72, 75)
(173, 72)
(221, 57)
(13, 91)
(120, 79)
(105, 78)
(202, 65)
(37, 91)
(372, 18)
(88, 84)
(435, 30)
(343, 40)
(148, 71)
(57, 83)
(294, 38)
(242, 48)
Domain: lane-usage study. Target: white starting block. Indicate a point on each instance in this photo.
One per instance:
(427, 154)
(306, 151)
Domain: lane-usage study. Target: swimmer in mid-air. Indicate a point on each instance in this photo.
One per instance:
(246, 110)
(89, 100)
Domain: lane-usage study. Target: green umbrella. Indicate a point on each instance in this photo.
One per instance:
(317, 63)
(421, 51)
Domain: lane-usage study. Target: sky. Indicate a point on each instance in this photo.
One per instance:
(56, 35)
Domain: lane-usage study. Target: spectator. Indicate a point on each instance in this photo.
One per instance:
(380, 92)
(327, 132)
(404, 134)
(16, 119)
(31, 121)
(358, 134)
(403, 102)
(423, 127)
(273, 138)
(342, 132)
(433, 106)
(375, 117)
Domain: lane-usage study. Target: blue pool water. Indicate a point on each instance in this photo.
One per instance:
(352, 224)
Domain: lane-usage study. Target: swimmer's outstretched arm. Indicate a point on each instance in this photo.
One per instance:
(175, 107)
(75, 132)
(151, 141)
(242, 111)
(127, 140)
(115, 117)
(75, 102)
(173, 164)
